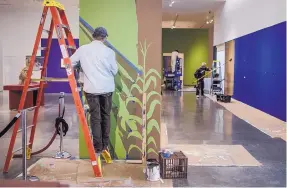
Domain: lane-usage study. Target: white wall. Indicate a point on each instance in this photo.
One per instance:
(1, 67)
(221, 58)
(237, 18)
(19, 23)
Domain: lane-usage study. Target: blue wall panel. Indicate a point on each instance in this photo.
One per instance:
(54, 67)
(260, 70)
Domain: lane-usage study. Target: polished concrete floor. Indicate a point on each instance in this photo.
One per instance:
(204, 122)
(189, 122)
(44, 131)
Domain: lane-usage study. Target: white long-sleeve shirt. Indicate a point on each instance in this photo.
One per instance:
(99, 66)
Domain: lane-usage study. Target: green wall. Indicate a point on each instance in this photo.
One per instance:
(193, 43)
(120, 20)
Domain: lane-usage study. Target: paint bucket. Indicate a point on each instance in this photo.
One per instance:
(152, 170)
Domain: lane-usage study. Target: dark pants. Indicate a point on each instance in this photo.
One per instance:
(100, 109)
(200, 87)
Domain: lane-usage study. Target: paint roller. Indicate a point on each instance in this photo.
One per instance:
(212, 70)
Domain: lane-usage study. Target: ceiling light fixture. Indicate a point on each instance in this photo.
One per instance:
(209, 18)
(171, 3)
(174, 23)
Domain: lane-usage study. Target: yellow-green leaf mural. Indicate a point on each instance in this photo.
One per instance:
(126, 133)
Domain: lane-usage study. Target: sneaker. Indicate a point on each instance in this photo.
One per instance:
(197, 96)
(107, 156)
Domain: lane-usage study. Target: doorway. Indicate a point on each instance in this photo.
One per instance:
(221, 63)
(168, 62)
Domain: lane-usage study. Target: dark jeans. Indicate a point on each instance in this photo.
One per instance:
(100, 109)
(200, 86)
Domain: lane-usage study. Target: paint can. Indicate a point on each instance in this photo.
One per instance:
(152, 170)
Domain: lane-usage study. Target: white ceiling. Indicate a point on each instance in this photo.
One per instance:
(186, 20)
(194, 6)
(191, 13)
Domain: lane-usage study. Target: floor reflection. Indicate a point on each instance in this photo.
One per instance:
(195, 121)
(204, 127)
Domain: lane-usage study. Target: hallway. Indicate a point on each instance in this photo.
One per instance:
(202, 125)
(223, 149)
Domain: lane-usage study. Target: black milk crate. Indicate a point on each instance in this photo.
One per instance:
(173, 167)
(223, 98)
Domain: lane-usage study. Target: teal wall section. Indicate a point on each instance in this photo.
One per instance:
(193, 43)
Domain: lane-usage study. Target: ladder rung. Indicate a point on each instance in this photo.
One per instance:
(33, 89)
(14, 151)
(28, 127)
(46, 30)
(65, 27)
(31, 108)
(42, 48)
(50, 79)
(72, 47)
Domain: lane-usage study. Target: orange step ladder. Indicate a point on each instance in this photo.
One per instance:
(59, 22)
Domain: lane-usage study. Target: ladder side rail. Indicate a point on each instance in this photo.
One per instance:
(41, 89)
(24, 92)
(75, 92)
(71, 41)
(69, 35)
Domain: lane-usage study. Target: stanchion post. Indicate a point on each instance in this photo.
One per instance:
(24, 144)
(24, 148)
(62, 154)
(61, 103)
(61, 138)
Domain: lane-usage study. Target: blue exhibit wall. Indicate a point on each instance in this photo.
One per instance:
(54, 67)
(260, 70)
